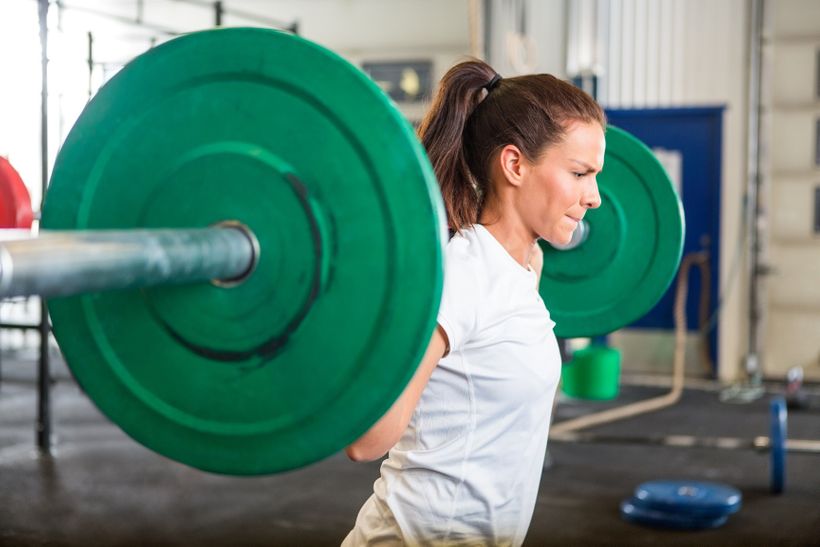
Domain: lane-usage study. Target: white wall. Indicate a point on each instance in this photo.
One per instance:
(792, 108)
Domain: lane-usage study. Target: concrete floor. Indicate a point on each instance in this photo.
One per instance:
(101, 488)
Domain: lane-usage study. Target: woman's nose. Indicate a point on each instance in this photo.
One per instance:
(591, 198)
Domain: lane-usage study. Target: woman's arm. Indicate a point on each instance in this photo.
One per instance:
(388, 430)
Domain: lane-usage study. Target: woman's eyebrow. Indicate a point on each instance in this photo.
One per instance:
(584, 164)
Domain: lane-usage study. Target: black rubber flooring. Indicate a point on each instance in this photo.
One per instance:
(101, 488)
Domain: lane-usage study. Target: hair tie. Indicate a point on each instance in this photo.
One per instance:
(492, 84)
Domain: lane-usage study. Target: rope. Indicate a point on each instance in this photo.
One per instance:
(678, 378)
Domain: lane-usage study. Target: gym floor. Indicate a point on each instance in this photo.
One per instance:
(101, 488)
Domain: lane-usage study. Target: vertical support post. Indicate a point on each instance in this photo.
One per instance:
(817, 208)
(219, 11)
(751, 388)
(43, 372)
(753, 369)
(90, 65)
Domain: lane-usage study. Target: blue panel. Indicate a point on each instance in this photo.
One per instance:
(697, 133)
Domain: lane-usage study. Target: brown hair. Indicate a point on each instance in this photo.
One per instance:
(467, 125)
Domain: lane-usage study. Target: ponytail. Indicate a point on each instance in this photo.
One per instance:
(442, 134)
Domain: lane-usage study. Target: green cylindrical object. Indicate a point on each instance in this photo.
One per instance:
(593, 373)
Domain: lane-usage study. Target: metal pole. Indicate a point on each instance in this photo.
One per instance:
(74, 262)
(761, 444)
(751, 388)
(755, 220)
(43, 372)
(219, 11)
(90, 65)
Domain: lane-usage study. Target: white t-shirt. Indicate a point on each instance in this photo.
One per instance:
(467, 469)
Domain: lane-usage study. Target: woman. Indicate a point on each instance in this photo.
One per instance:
(516, 160)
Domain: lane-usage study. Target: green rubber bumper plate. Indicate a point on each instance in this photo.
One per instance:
(632, 250)
(283, 136)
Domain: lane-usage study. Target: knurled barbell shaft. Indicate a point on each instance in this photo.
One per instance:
(74, 262)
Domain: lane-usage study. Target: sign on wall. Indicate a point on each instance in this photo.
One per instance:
(403, 81)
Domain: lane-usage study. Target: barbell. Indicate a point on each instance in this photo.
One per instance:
(242, 244)
(776, 444)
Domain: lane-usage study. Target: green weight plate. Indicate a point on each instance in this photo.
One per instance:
(272, 131)
(632, 250)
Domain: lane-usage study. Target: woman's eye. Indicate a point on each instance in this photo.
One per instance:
(579, 175)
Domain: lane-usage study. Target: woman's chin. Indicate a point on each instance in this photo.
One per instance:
(559, 241)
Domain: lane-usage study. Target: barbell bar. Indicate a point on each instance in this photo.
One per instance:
(68, 263)
(337, 269)
(777, 444)
(758, 443)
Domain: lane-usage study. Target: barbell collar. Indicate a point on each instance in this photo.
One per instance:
(72, 262)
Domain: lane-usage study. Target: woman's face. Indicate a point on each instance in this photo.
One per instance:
(560, 186)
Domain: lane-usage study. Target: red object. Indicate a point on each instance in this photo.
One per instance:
(15, 201)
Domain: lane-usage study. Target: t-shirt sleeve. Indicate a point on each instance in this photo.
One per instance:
(458, 312)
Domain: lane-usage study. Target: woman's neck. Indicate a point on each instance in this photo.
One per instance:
(511, 233)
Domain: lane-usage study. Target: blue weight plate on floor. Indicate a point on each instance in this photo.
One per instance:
(663, 519)
(691, 498)
(777, 445)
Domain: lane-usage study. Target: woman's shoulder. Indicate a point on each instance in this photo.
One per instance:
(464, 249)
(466, 265)
(464, 241)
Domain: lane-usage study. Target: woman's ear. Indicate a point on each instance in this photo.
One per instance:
(512, 163)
